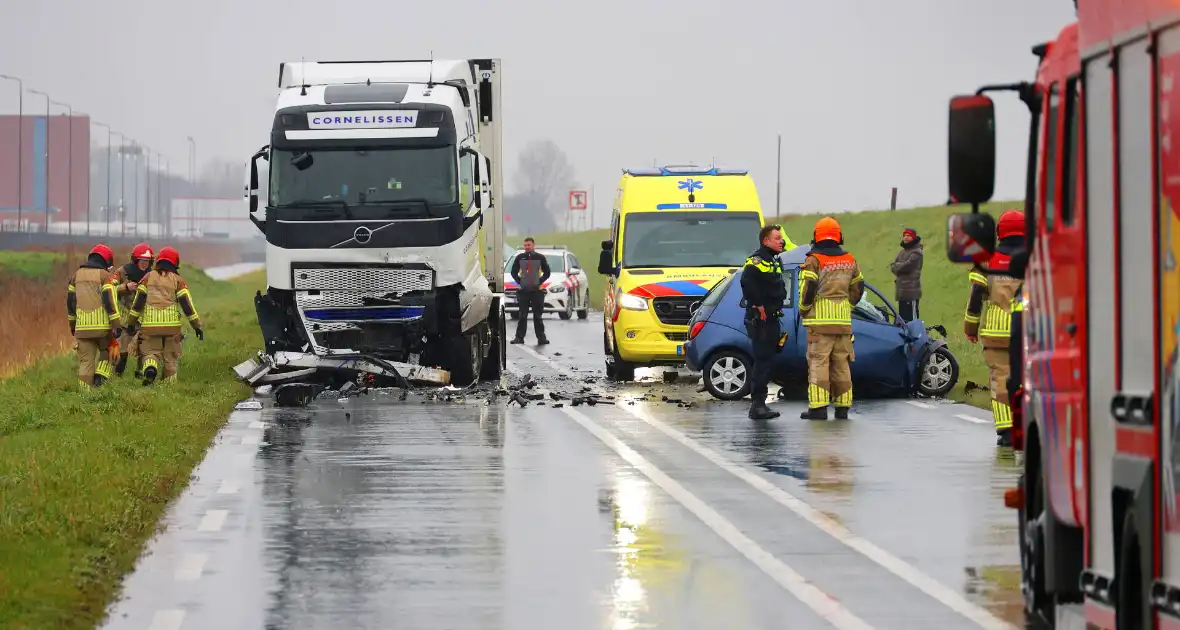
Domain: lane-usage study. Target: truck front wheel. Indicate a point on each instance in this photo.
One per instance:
(1037, 602)
(463, 359)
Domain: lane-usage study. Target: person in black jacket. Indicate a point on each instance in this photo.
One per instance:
(763, 294)
(530, 270)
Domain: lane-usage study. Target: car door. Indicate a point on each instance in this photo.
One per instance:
(880, 344)
(793, 358)
(578, 280)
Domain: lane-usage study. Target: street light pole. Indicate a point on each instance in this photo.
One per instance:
(167, 181)
(47, 167)
(122, 186)
(107, 207)
(192, 180)
(20, 150)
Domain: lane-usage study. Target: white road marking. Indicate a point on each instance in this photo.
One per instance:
(190, 567)
(229, 486)
(251, 440)
(257, 425)
(963, 416)
(823, 604)
(921, 405)
(167, 620)
(898, 567)
(213, 521)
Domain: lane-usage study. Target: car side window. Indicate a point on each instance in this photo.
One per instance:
(789, 279)
(873, 307)
(573, 262)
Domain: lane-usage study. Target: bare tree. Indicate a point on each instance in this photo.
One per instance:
(545, 174)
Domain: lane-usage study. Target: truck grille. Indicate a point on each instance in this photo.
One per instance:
(374, 280)
(674, 310)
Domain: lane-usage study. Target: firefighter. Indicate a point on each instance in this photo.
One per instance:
(127, 278)
(763, 294)
(93, 311)
(160, 300)
(830, 283)
(989, 320)
(1014, 386)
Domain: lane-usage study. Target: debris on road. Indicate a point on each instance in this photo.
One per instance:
(248, 405)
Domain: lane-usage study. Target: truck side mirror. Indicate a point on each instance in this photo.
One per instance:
(606, 261)
(252, 187)
(971, 160)
(970, 237)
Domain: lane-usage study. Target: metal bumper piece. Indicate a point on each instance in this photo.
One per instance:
(286, 367)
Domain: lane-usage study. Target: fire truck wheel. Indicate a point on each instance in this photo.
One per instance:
(1132, 607)
(463, 359)
(1037, 602)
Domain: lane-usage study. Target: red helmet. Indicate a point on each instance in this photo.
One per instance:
(170, 255)
(143, 251)
(105, 252)
(1011, 224)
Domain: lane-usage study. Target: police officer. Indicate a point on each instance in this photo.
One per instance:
(988, 320)
(764, 293)
(830, 283)
(530, 270)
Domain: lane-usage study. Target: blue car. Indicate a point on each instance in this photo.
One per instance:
(893, 358)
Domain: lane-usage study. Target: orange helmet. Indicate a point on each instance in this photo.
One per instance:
(170, 255)
(827, 229)
(143, 251)
(1011, 223)
(105, 252)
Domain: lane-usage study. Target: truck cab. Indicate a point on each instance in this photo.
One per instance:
(382, 190)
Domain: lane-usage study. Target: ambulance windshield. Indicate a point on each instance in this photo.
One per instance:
(689, 239)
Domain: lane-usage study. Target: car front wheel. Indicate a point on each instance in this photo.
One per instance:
(938, 373)
(727, 375)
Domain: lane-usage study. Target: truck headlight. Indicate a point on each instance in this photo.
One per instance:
(557, 288)
(632, 302)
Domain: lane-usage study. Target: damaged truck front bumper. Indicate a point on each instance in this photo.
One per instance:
(293, 367)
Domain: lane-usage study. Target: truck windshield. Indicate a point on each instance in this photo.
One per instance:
(360, 176)
(689, 239)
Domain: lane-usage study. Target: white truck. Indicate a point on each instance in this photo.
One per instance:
(384, 182)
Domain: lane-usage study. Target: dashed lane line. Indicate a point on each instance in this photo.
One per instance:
(823, 604)
(898, 567)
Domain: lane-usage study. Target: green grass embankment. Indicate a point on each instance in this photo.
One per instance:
(30, 264)
(86, 476)
(874, 237)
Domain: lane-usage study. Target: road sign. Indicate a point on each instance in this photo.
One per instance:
(578, 200)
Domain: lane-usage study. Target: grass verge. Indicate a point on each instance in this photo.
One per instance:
(86, 476)
(874, 237)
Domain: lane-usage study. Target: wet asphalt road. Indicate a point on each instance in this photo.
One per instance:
(373, 513)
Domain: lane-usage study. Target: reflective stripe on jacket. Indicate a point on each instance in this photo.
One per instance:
(161, 301)
(829, 285)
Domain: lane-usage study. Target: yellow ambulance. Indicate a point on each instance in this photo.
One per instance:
(675, 232)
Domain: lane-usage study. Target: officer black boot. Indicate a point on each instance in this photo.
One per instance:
(1004, 437)
(841, 413)
(815, 413)
(121, 366)
(759, 410)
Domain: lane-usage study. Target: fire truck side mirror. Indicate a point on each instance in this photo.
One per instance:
(971, 161)
(970, 237)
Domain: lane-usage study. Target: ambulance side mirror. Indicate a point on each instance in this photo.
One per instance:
(970, 237)
(971, 159)
(606, 261)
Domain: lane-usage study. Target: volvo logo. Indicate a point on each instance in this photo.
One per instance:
(362, 235)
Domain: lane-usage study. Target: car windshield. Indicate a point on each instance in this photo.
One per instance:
(689, 239)
(359, 176)
(556, 262)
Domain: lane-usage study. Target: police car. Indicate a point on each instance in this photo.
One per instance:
(567, 291)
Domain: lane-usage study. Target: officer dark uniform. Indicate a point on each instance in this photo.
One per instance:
(764, 294)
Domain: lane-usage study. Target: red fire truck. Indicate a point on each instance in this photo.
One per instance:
(1096, 413)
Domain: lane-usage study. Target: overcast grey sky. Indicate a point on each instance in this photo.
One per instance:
(858, 88)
